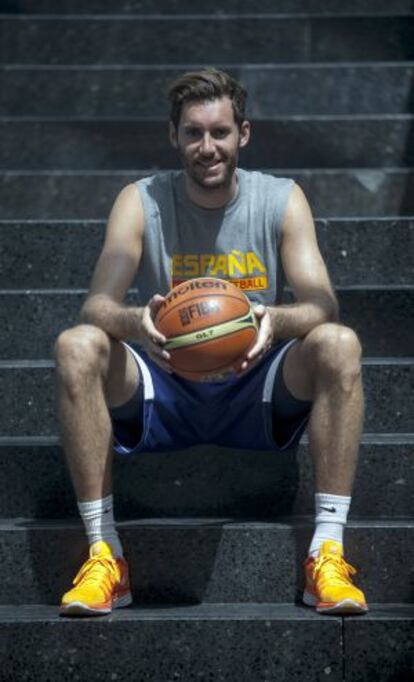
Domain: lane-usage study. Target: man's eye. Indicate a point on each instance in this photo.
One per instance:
(192, 132)
(221, 132)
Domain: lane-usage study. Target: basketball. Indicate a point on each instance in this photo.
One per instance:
(210, 326)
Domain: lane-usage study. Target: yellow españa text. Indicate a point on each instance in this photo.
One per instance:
(234, 264)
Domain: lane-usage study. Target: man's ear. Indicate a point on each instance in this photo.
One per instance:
(244, 133)
(173, 135)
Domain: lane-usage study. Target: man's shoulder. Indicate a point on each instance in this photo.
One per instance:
(258, 181)
(263, 178)
(159, 180)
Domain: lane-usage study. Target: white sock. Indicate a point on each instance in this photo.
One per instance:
(98, 518)
(331, 515)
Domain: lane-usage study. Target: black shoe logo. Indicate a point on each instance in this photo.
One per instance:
(329, 509)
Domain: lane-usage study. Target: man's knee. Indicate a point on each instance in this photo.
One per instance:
(81, 351)
(334, 350)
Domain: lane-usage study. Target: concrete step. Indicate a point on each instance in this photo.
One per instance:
(381, 317)
(205, 560)
(371, 637)
(333, 7)
(367, 252)
(221, 642)
(62, 254)
(85, 195)
(292, 142)
(273, 89)
(29, 402)
(207, 481)
(224, 643)
(231, 38)
(210, 560)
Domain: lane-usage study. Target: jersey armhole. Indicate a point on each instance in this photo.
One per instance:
(282, 198)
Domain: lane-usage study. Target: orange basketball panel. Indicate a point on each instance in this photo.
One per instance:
(213, 356)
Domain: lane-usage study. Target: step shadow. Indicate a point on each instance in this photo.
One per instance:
(407, 202)
(208, 481)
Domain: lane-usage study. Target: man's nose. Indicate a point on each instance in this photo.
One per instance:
(207, 144)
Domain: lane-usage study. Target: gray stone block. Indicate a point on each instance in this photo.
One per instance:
(205, 560)
(29, 407)
(221, 643)
(318, 142)
(62, 255)
(380, 647)
(359, 192)
(89, 195)
(381, 317)
(144, 40)
(268, 639)
(30, 322)
(49, 255)
(207, 481)
(352, 7)
(273, 90)
(253, 38)
(367, 252)
(362, 39)
(33, 321)
(386, 387)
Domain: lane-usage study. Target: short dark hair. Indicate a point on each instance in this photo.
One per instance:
(207, 84)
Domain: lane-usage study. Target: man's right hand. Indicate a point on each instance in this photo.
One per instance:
(150, 338)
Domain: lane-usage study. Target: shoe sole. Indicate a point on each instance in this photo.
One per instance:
(341, 607)
(78, 608)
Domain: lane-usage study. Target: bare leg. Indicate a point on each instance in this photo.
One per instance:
(325, 368)
(91, 370)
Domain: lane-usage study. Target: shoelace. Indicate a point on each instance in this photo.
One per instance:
(98, 568)
(337, 571)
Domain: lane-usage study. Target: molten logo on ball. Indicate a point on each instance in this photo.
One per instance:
(194, 285)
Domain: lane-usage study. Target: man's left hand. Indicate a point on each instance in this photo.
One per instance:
(264, 338)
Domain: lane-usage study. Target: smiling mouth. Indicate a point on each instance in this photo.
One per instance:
(210, 166)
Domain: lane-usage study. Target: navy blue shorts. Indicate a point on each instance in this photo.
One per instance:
(254, 411)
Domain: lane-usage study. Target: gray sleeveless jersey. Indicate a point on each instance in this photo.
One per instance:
(239, 242)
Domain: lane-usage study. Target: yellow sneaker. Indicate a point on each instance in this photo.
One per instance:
(328, 582)
(101, 585)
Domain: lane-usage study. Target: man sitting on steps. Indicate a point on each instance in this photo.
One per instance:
(305, 368)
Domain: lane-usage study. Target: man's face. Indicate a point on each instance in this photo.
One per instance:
(208, 140)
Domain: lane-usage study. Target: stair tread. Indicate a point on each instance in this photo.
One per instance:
(229, 523)
(142, 7)
(47, 441)
(240, 611)
(297, 141)
(409, 117)
(378, 194)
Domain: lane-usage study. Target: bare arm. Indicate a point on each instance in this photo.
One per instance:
(114, 273)
(306, 274)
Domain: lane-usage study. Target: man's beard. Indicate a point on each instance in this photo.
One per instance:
(223, 181)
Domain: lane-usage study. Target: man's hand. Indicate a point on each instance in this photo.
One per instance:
(150, 338)
(264, 338)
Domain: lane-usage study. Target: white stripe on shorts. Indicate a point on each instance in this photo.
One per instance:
(145, 373)
(271, 373)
